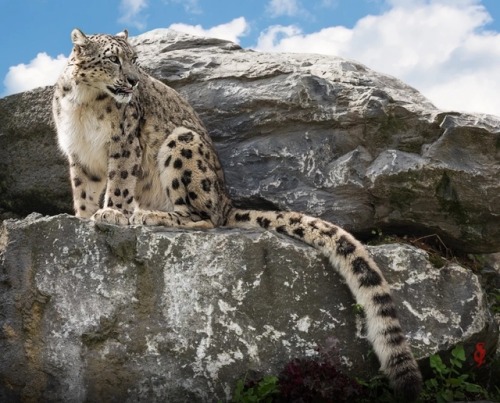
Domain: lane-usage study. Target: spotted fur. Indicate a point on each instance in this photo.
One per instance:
(139, 154)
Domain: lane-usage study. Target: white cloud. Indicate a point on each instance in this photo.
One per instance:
(283, 7)
(441, 47)
(41, 71)
(130, 13)
(329, 3)
(438, 46)
(278, 38)
(230, 31)
(190, 6)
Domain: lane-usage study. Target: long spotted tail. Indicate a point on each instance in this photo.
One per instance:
(365, 281)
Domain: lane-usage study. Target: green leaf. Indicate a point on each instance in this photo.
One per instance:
(238, 391)
(268, 386)
(260, 393)
(432, 382)
(454, 381)
(447, 395)
(444, 396)
(473, 388)
(437, 363)
(459, 353)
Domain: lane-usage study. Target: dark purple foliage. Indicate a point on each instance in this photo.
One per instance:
(309, 380)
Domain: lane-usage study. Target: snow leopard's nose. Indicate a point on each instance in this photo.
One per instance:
(133, 81)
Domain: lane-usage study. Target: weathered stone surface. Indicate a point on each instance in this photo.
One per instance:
(311, 133)
(329, 136)
(33, 173)
(106, 313)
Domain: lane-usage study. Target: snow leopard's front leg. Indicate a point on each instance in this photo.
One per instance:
(124, 167)
(87, 188)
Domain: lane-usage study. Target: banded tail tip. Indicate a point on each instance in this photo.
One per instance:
(407, 388)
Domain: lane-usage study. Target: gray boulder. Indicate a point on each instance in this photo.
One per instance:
(329, 136)
(312, 133)
(33, 174)
(105, 313)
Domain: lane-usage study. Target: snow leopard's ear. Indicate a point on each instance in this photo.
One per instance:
(123, 34)
(78, 38)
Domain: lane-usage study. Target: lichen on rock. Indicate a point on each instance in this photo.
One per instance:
(135, 313)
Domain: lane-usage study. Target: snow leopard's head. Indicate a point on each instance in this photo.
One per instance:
(106, 63)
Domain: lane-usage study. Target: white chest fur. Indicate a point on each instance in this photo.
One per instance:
(84, 133)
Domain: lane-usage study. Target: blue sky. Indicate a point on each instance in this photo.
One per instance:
(448, 49)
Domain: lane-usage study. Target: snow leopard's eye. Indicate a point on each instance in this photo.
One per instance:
(114, 59)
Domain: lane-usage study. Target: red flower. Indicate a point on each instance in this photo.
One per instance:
(480, 354)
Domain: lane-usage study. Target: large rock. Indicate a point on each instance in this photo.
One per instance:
(104, 313)
(34, 176)
(312, 133)
(329, 136)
